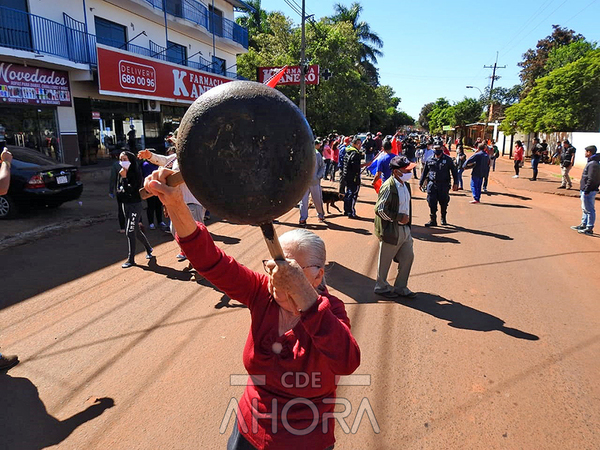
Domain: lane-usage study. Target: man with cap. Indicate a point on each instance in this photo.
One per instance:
(351, 176)
(567, 159)
(435, 179)
(588, 186)
(392, 228)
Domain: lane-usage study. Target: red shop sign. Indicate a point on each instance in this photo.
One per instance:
(291, 75)
(33, 85)
(124, 74)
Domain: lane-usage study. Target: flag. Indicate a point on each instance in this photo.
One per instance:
(272, 82)
(377, 185)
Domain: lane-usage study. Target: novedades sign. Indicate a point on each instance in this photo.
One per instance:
(124, 74)
(33, 85)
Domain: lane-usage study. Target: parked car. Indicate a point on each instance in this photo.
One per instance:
(37, 180)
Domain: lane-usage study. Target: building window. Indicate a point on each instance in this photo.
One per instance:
(176, 53)
(110, 33)
(218, 65)
(175, 7)
(215, 20)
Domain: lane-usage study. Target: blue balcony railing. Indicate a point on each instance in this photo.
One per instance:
(28, 32)
(198, 13)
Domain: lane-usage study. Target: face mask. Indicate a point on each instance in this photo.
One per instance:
(439, 152)
(125, 164)
(406, 177)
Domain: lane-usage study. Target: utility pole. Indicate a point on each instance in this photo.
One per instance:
(303, 62)
(495, 66)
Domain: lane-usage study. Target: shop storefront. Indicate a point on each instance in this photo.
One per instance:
(162, 93)
(28, 100)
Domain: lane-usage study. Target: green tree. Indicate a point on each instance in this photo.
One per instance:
(424, 115)
(534, 60)
(441, 114)
(568, 99)
(561, 56)
(256, 21)
(370, 42)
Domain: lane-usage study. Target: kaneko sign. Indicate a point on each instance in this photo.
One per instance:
(33, 85)
(291, 75)
(123, 74)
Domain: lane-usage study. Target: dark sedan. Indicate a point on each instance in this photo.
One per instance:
(37, 180)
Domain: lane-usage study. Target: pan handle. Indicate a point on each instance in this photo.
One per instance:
(272, 241)
(175, 179)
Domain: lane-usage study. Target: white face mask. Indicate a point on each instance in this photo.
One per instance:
(125, 164)
(406, 177)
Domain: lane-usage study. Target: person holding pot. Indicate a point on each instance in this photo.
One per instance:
(298, 328)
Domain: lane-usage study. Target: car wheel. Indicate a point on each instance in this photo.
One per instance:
(8, 209)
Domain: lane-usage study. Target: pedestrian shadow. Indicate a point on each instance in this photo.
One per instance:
(462, 316)
(329, 225)
(187, 274)
(500, 205)
(227, 240)
(26, 425)
(225, 302)
(360, 288)
(433, 234)
(505, 194)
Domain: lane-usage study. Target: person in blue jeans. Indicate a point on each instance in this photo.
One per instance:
(536, 155)
(589, 184)
(480, 165)
(460, 161)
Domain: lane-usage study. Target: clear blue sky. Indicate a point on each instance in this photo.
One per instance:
(435, 48)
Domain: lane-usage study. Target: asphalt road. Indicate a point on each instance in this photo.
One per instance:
(500, 350)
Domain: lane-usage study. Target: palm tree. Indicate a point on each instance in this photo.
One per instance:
(370, 41)
(255, 21)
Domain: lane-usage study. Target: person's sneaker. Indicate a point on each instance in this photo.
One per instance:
(302, 223)
(321, 220)
(474, 201)
(444, 221)
(149, 255)
(152, 226)
(181, 257)
(406, 292)
(127, 264)
(163, 225)
(431, 223)
(515, 176)
(588, 231)
(207, 216)
(561, 187)
(8, 361)
(484, 189)
(579, 227)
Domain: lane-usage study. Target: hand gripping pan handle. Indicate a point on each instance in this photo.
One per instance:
(175, 179)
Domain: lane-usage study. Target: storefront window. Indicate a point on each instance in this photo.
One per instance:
(32, 127)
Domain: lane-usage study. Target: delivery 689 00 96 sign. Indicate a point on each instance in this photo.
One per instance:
(126, 74)
(138, 77)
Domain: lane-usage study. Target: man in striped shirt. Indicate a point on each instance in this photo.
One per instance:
(392, 228)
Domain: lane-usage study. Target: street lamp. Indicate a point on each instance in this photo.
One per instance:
(475, 87)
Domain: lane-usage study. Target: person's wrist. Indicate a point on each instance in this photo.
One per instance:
(8, 163)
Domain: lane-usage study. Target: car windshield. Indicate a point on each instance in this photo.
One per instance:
(29, 158)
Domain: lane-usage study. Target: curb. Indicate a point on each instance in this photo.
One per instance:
(52, 230)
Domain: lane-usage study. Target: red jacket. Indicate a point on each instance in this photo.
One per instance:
(318, 348)
(518, 153)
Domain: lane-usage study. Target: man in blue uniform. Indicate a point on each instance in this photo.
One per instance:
(435, 179)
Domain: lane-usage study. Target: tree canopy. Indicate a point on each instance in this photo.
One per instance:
(348, 102)
(567, 99)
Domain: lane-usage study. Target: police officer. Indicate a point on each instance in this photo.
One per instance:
(436, 174)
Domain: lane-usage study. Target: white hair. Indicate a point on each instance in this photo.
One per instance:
(308, 244)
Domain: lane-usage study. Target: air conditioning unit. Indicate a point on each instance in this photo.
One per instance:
(151, 106)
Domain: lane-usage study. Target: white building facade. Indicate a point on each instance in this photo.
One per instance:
(83, 79)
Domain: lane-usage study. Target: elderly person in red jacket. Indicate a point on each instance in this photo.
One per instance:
(299, 331)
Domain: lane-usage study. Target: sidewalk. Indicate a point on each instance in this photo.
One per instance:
(549, 178)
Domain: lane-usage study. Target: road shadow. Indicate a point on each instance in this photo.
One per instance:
(228, 240)
(505, 194)
(225, 302)
(328, 225)
(462, 316)
(360, 288)
(501, 205)
(432, 234)
(26, 425)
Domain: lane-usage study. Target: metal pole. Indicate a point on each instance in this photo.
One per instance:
(303, 62)
(166, 27)
(212, 18)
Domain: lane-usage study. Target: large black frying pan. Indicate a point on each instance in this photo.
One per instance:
(247, 154)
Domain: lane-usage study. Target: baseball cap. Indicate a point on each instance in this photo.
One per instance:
(401, 162)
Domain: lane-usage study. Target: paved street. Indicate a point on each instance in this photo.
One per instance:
(498, 351)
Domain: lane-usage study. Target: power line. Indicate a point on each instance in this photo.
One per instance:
(584, 8)
(537, 12)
